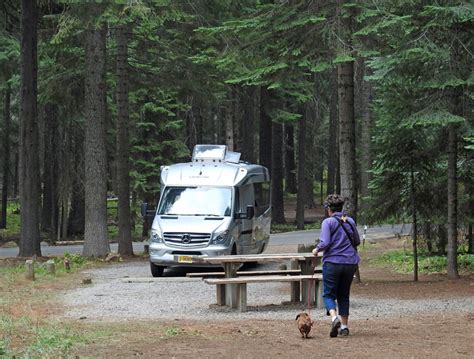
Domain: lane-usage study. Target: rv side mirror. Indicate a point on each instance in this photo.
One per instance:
(250, 212)
(144, 208)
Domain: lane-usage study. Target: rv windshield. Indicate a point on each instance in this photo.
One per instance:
(196, 201)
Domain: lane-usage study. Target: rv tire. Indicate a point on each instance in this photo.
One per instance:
(156, 271)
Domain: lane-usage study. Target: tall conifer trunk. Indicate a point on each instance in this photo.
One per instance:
(365, 135)
(50, 186)
(347, 149)
(6, 156)
(29, 172)
(347, 136)
(248, 128)
(123, 168)
(95, 232)
(229, 120)
(414, 232)
(290, 166)
(265, 144)
(300, 195)
(278, 215)
(452, 203)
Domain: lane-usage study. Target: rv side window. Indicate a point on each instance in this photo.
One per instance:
(262, 197)
(236, 201)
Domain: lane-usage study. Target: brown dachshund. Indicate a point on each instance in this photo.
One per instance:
(304, 322)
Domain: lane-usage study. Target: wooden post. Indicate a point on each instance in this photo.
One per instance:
(30, 269)
(50, 267)
(295, 286)
(67, 266)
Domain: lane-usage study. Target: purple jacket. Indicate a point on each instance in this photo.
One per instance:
(337, 247)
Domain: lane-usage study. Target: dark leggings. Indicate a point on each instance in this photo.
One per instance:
(337, 280)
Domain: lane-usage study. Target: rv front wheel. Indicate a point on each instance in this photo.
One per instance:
(156, 271)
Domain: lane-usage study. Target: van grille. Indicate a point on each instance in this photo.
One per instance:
(186, 239)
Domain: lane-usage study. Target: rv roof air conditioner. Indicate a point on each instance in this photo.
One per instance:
(214, 153)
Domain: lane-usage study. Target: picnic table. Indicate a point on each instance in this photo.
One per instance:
(231, 290)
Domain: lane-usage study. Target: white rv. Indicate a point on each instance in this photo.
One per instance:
(214, 205)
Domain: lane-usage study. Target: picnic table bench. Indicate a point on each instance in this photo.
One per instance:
(241, 283)
(249, 273)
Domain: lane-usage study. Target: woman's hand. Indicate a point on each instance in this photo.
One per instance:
(315, 252)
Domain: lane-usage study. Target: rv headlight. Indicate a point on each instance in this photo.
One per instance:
(155, 236)
(220, 237)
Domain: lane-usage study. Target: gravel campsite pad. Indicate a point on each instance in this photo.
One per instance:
(390, 315)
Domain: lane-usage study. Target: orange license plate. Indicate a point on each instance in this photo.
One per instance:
(185, 259)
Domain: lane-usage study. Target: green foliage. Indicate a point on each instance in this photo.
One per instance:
(419, 74)
(13, 221)
(402, 262)
(45, 339)
(174, 331)
(55, 340)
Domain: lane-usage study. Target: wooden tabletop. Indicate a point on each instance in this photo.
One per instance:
(254, 258)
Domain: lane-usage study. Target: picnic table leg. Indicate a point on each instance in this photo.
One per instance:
(242, 300)
(295, 286)
(307, 295)
(231, 290)
(220, 291)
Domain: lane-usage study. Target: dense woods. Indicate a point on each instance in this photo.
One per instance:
(371, 99)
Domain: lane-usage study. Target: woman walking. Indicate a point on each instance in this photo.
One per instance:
(338, 240)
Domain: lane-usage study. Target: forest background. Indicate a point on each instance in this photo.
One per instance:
(370, 99)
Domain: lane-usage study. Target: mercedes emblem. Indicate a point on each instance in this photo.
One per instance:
(186, 238)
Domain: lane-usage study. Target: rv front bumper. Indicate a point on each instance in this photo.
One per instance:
(163, 255)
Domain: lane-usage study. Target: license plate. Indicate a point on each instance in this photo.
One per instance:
(185, 259)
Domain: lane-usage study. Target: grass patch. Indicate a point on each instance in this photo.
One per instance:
(401, 261)
(173, 332)
(27, 328)
(26, 338)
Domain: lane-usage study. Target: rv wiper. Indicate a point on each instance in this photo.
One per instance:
(212, 215)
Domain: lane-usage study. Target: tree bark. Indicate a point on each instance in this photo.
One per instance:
(76, 217)
(265, 144)
(236, 117)
(278, 215)
(6, 156)
(123, 147)
(414, 234)
(470, 192)
(95, 232)
(290, 165)
(300, 200)
(50, 194)
(452, 203)
(29, 173)
(229, 121)
(248, 128)
(345, 90)
(347, 153)
(365, 135)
